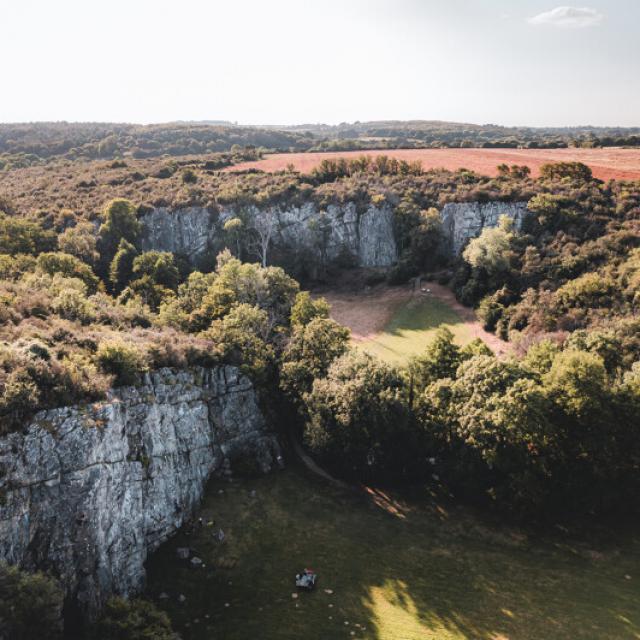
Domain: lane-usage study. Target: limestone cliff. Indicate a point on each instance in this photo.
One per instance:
(462, 221)
(87, 492)
(321, 236)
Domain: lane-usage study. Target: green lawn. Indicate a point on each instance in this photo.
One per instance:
(396, 573)
(411, 328)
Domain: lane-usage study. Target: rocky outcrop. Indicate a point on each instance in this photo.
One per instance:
(190, 231)
(365, 238)
(318, 237)
(88, 492)
(462, 221)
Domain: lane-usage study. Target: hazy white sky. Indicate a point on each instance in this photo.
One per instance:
(293, 61)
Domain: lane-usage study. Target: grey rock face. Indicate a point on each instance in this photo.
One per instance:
(323, 236)
(188, 231)
(87, 492)
(462, 221)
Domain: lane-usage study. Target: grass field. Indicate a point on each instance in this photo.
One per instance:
(411, 327)
(395, 572)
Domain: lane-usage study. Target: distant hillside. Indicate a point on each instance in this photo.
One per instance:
(29, 143)
(32, 143)
(435, 133)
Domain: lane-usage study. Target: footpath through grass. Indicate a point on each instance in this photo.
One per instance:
(412, 326)
(395, 572)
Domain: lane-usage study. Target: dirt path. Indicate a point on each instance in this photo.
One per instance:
(368, 311)
(313, 466)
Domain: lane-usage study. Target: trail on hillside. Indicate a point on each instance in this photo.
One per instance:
(368, 311)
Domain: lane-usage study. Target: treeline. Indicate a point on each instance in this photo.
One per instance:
(31, 143)
(25, 144)
(575, 263)
(435, 134)
(555, 432)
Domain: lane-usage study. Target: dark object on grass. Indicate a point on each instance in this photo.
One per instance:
(306, 580)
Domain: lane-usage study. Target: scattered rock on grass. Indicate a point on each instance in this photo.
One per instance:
(183, 553)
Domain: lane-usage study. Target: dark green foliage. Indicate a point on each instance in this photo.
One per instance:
(121, 267)
(68, 266)
(132, 620)
(243, 338)
(120, 223)
(189, 176)
(18, 235)
(313, 347)
(159, 266)
(560, 170)
(30, 605)
(360, 420)
(440, 359)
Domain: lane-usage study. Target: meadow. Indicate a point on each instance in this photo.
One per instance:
(411, 327)
(396, 323)
(388, 570)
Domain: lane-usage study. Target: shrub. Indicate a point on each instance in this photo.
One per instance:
(189, 176)
(20, 398)
(560, 170)
(30, 605)
(69, 267)
(589, 290)
(121, 360)
(132, 620)
(305, 309)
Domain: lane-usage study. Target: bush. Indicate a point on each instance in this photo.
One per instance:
(189, 176)
(20, 398)
(69, 267)
(305, 309)
(30, 605)
(122, 361)
(560, 170)
(132, 620)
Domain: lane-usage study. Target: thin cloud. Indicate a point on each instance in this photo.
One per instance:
(568, 18)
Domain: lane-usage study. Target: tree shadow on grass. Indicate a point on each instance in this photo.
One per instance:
(399, 573)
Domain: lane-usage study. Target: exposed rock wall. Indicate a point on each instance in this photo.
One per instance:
(190, 231)
(87, 492)
(322, 236)
(462, 221)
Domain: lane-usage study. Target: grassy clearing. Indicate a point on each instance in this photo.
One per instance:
(397, 572)
(412, 326)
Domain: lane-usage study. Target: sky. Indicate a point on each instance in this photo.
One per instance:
(511, 62)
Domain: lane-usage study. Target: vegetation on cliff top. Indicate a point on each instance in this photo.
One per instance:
(82, 307)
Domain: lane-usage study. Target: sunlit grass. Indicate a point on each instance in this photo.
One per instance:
(421, 576)
(411, 328)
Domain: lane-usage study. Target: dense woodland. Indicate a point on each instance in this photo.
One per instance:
(26, 143)
(83, 308)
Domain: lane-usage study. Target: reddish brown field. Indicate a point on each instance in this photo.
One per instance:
(621, 164)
